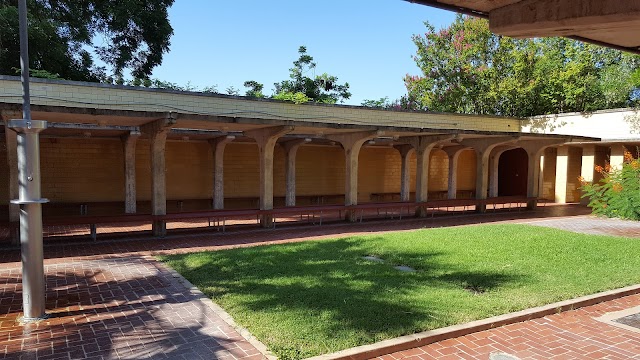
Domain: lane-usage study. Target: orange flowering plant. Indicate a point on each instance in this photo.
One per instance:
(618, 193)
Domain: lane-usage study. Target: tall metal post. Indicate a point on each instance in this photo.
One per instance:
(29, 198)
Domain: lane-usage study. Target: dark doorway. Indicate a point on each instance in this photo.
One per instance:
(512, 173)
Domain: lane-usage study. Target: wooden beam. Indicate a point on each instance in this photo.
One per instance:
(537, 18)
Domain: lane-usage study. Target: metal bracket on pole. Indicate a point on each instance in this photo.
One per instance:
(33, 283)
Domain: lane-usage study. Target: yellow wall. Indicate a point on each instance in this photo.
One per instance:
(467, 171)
(92, 170)
(438, 171)
(76, 170)
(319, 170)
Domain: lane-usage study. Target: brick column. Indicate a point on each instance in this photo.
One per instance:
(157, 132)
(217, 146)
(266, 140)
(405, 173)
(129, 150)
(290, 151)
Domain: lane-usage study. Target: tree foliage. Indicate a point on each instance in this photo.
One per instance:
(124, 34)
(304, 87)
(405, 102)
(255, 89)
(467, 69)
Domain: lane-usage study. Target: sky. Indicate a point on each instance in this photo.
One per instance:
(366, 43)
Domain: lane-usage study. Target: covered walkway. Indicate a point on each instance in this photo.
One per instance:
(135, 151)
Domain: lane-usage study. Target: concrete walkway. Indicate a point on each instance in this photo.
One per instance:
(112, 300)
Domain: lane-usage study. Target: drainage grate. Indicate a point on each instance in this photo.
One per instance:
(628, 319)
(632, 320)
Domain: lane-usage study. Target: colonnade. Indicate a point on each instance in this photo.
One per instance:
(487, 149)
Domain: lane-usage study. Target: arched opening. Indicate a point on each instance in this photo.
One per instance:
(512, 173)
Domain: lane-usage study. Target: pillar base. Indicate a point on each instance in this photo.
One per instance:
(350, 216)
(159, 228)
(481, 208)
(421, 211)
(266, 221)
(532, 204)
(31, 320)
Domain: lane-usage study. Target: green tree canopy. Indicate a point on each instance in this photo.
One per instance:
(125, 34)
(304, 87)
(467, 69)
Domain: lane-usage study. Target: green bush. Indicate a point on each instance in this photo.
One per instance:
(618, 193)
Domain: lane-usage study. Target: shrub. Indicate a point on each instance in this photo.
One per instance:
(618, 193)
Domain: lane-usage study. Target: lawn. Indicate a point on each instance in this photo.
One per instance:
(317, 297)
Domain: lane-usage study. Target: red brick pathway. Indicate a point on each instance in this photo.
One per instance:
(111, 300)
(126, 307)
(569, 335)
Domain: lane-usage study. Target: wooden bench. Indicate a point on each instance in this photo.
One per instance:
(94, 221)
(451, 203)
(387, 207)
(216, 217)
(510, 200)
(310, 211)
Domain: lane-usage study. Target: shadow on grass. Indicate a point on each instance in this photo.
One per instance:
(330, 287)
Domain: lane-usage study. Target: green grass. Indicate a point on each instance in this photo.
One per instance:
(316, 297)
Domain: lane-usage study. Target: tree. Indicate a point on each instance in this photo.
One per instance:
(467, 69)
(255, 89)
(124, 34)
(302, 88)
(322, 89)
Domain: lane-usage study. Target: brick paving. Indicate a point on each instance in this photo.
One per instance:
(593, 225)
(569, 335)
(111, 300)
(127, 307)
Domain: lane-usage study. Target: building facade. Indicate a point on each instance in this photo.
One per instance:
(131, 150)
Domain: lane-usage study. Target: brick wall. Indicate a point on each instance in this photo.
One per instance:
(92, 170)
(467, 171)
(319, 170)
(72, 169)
(378, 172)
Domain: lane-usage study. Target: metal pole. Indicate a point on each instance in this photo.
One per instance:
(24, 59)
(33, 284)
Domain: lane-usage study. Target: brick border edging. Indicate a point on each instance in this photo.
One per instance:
(428, 337)
(214, 307)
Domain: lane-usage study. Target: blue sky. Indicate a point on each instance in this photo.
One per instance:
(365, 43)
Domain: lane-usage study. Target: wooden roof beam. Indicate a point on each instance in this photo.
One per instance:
(537, 18)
